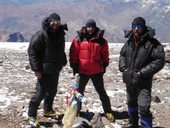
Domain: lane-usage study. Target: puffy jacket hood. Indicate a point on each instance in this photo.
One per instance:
(45, 25)
(150, 32)
(97, 35)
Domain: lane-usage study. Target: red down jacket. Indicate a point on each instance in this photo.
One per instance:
(91, 56)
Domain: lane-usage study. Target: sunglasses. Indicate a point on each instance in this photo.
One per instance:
(52, 22)
(136, 26)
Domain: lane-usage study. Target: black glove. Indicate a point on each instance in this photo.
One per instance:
(104, 67)
(74, 66)
(64, 60)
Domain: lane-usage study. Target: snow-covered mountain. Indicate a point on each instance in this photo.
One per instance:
(112, 15)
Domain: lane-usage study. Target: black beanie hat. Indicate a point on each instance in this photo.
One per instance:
(54, 16)
(140, 21)
(90, 23)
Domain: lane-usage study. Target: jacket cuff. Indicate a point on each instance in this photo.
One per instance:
(122, 69)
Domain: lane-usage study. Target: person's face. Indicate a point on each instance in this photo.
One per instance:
(54, 24)
(137, 29)
(90, 30)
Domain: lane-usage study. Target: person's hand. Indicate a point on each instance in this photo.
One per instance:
(104, 70)
(65, 62)
(139, 73)
(38, 74)
(74, 66)
(104, 67)
(75, 71)
(125, 70)
(136, 78)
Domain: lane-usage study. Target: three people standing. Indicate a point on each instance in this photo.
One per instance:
(140, 58)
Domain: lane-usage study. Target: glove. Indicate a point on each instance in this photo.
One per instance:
(104, 67)
(75, 71)
(65, 60)
(74, 66)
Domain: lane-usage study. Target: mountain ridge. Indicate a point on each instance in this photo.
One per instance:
(113, 16)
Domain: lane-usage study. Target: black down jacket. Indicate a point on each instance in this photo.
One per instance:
(47, 49)
(147, 57)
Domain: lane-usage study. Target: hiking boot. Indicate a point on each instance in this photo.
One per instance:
(110, 117)
(52, 114)
(33, 122)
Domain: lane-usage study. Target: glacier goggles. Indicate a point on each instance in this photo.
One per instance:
(137, 26)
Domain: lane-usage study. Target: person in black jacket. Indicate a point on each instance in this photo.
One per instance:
(140, 58)
(47, 57)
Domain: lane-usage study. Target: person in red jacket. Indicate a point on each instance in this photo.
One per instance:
(89, 57)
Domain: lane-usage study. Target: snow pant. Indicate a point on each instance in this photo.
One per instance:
(98, 83)
(46, 88)
(139, 101)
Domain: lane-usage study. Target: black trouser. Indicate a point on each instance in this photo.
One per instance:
(46, 88)
(139, 101)
(99, 86)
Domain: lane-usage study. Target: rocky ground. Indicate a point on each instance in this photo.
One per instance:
(17, 84)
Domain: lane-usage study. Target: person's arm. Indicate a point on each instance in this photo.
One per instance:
(122, 61)
(105, 55)
(157, 63)
(64, 54)
(74, 56)
(35, 55)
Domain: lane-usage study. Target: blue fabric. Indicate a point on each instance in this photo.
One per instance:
(75, 85)
(146, 122)
(132, 110)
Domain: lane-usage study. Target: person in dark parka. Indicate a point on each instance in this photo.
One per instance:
(141, 57)
(47, 57)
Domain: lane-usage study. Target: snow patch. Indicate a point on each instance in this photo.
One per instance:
(167, 9)
(146, 3)
(5, 98)
(14, 46)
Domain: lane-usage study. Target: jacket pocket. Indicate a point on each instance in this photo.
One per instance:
(136, 78)
(51, 68)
